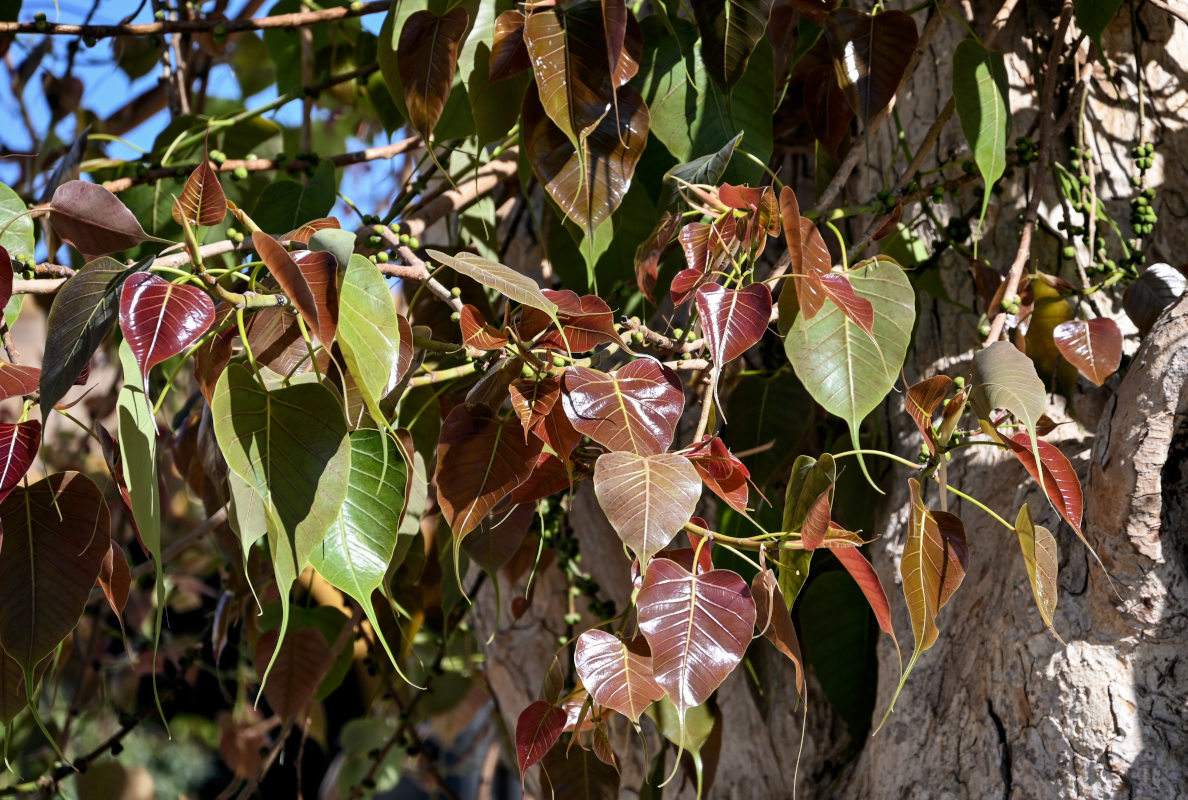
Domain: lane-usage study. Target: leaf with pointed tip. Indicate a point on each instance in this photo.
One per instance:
(1005, 378)
(509, 54)
(427, 57)
(846, 370)
(921, 401)
(161, 319)
(537, 730)
(698, 627)
(872, 588)
(357, 550)
(275, 339)
(615, 673)
(557, 431)
(981, 94)
(1041, 556)
(18, 447)
(729, 32)
(533, 400)
(870, 55)
(649, 253)
(1094, 16)
(13, 698)
(809, 479)
(635, 408)
(723, 474)
(685, 285)
(309, 229)
(56, 534)
(115, 579)
(647, 499)
(1060, 482)
(297, 667)
(734, 320)
(480, 460)
(84, 310)
(201, 202)
(859, 310)
(816, 522)
(775, 621)
(17, 380)
(369, 332)
(476, 332)
(586, 320)
(808, 260)
(94, 220)
(310, 281)
(515, 286)
(1093, 347)
(706, 170)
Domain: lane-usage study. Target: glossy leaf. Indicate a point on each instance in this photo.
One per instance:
(698, 627)
(729, 32)
(870, 55)
(161, 319)
(807, 261)
(84, 310)
(308, 230)
(537, 730)
(837, 287)
(1060, 482)
(17, 380)
(1005, 378)
(1041, 556)
(18, 447)
(357, 550)
(309, 279)
(981, 94)
(705, 170)
(647, 499)
(921, 401)
(846, 370)
(734, 320)
(509, 54)
(774, 621)
(300, 663)
(568, 52)
(1093, 347)
(476, 332)
(723, 474)
(480, 460)
(557, 431)
(533, 400)
(872, 588)
(369, 332)
(651, 250)
(616, 675)
(93, 219)
(586, 320)
(513, 285)
(56, 535)
(815, 526)
(427, 57)
(633, 409)
(201, 202)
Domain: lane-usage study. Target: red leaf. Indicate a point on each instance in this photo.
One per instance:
(698, 627)
(722, 473)
(201, 201)
(18, 448)
(276, 341)
(1093, 347)
(774, 621)
(647, 499)
(558, 432)
(160, 319)
(816, 522)
(310, 281)
(211, 359)
(648, 254)
(921, 401)
(93, 219)
(859, 310)
(1060, 483)
(306, 231)
(635, 408)
(17, 380)
(5, 277)
(733, 320)
(537, 730)
(303, 660)
(684, 284)
(477, 333)
(533, 400)
(115, 579)
(587, 320)
(868, 581)
(616, 675)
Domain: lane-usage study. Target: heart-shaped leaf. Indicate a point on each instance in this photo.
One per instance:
(980, 92)
(729, 32)
(1059, 482)
(94, 220)
(480, 460)
(427, 57)
(1093, 347)
(161, 319)
(870, 55)
(201, 201)
(83, 312)
(616, 675)
(921, 401)
(698, 627)
(586, 320)
(299, 665)
(513, 285)
(775, 622)
(734, 320)
(1041, 556)
(538, 728)
(647, 499)
(18, 447)
(17, 380)
(477, 333)
(369, 332)
(310, 281)
(634, 408)
(358, 548)
(1005, 378)
(56, 535)
(846, 370)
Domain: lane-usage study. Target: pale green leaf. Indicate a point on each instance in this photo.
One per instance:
(980, 92)
(369, 332)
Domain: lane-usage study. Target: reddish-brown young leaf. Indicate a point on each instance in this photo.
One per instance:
(578, 773)
(734, 320)
(587, 321)
(722, 473)
(921, 401)
(93, 219)
(18, 447)
(538, 728)
(614, 25)
(115, 579)
(557, 431)
(934, 562)
(868, 581)
(775, 622)
(160, 319)
(496, 540)
(549, 476)
(306, 231)
(480, 460)
(310, 281)
(859, 310)
(1093, 347)
(201, 201)
(212, 358)
(509, 54)
(297, 669)
(276, 341)
(706, 245)
(17, 380)
(634, 408)
(1060, 481)
(533, 400)
(762, 218)
(816, 522)
(685, 284)
(617, 674)
(477, 333)
(427, 57)
(698, 627)
(646, 498)
(870, 55)
(6, 276)
(649, 253)
(808, 260)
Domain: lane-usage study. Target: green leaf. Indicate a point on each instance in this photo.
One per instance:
(1094, 16)
(809, 479)
(1005, 378)
(845, 370)
(17, 238)
(980, 91)
(369, 332)
(357, 551)
(515, 286)
(287, 204)
(1041, 556)
(707, 169)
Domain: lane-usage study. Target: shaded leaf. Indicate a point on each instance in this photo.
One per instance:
(1042, 559)
(729, 32)
(634, 408)
(309, 279)
(733, 319)
(808, 480)
(981, 93)
(201, 202)
(1094, 16)
(18, 447)
(94, 220)
(870, 55)
(13, 698)
(115, 579)
(647, 499)
(275, 339)
(872, 588)
(1156, 288)
(427, 57)
(538, 728)
(649, 253)
(706, 170)
(212, 358)
(161, 319)
(774, 621)
(300, 663)
(369, 332)
(616, 675)
(549, 476)
(1093, 347)
(577, 774)
(500, 536)
(509, 54)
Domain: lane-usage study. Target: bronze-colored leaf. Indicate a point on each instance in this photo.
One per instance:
(775, 622)
(634, 408)
(870, 55)
(310, 281)
(509, 54)
(297, 668)
(1093, 347)
(1042, 559)
(616, 673)
(93, 219)
(427, 57)
(921, 401)
(201, 201)
(647, 499)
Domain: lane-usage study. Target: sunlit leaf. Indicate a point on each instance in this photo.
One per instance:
(722, 473)
(651, 250)
(983, 106)
(309, 229)
(921, 401)
(509, 54)
(809, 479)
(517, 287)
(1042, 559)
(476, 332)
(534, 400)
(1060, 482)
(774, 621)
(870, 55)
(729, 32)
(1005, 378)
(17, 380)
(733, 319)
(586, 320)
(310, 281)
(18, 447)
(16, 224)
(94, 220)
(615, 673)
(1093, 347)
(634, 408)
(647, 499)
(201, 201)
(369, 332)
(427, 57)
(537, 730)
(872, 588)
(161, 319)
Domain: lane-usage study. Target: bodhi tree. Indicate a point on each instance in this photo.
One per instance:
(717, 399)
